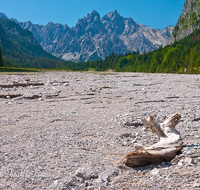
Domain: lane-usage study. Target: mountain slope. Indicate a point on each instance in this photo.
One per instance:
(96, 37)
(4, 41)
(20, 47)
(188, 21)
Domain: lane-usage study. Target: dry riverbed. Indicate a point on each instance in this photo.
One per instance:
(72, 130)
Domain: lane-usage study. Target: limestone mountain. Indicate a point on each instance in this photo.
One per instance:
(188, 21)
(96, 37)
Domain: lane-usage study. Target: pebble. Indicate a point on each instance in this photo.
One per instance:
(55, 182)
(196, 185)
(83, 173)
(104, 177)
(94, 175)
(155, 171)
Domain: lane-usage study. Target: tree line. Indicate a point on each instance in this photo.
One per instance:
(182, 56)
(1, 57)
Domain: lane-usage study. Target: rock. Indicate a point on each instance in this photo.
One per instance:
(94, 175)
(188, 161)
(115, 173)
(107, 183)
(55, 182)
(83, 173)
(185, 161)
(104, 177)
(155, 171)
(87, 184)
(133, 141)
(196, 185)
(126, 143)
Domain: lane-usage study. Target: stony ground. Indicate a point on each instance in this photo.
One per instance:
(73, 130)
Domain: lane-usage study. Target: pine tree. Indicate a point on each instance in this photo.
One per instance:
(1, 57)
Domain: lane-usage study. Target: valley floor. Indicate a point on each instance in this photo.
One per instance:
(74, 130)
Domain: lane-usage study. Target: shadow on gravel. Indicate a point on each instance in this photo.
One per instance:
(148, 168)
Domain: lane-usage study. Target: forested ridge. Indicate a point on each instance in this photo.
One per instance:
(182, 56)
(20, 48)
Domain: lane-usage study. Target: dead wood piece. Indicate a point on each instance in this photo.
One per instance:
(150, 101)
(51, 95)
(34, 96)
(165, 150)
(10, 95)
(196, 119)
(21, 84)
(171, 97)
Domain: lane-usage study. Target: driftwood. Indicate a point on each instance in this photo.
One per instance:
(21, 84)
(170, 143)
(10, 95)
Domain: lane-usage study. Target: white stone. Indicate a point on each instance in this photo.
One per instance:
(104, 177)
(55, 182)
(81, 172)
(155, 171)
(196, 185)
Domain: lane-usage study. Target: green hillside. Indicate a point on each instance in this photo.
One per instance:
(20, 48)
(189, 20)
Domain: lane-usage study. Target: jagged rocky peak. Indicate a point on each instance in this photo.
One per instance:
(93, 16)
(188, 21)
(113, 15)
(113, 22)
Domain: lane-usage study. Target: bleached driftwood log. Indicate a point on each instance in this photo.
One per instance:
(165, 150)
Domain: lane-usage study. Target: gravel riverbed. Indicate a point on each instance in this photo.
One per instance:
(72, 130)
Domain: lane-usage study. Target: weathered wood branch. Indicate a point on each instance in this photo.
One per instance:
(10, 95)
(165, 150)
(21, 84)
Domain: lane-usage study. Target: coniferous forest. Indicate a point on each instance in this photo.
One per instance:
(180, 57)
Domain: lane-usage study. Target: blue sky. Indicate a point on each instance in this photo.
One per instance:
(153, 13)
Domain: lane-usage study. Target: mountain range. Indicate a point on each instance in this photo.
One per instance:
(96, 37)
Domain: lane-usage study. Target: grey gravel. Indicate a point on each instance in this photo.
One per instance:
(46, 139)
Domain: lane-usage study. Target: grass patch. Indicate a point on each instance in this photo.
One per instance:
(16, 69)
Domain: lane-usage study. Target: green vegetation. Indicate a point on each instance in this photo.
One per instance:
(188, 20)
(20, 48)
(181, 57)
(15, 69)
(1, 57)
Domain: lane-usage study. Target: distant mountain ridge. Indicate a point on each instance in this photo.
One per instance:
(96, 37)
